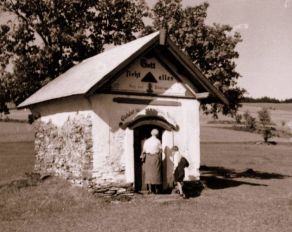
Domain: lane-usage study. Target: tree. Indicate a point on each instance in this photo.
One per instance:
(50, 36)
(264, 117)
(4, 61)
(44, 38)
(265, 121)
(212, 48)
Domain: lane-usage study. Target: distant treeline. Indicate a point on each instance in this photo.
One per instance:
(265, 100)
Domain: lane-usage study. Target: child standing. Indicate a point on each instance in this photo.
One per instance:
(179, 165)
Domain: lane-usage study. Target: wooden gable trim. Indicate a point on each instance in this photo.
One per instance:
(146, 95)
(182, 58)
(191, 68)
(144, 101)
(114, 73)
(163, 60)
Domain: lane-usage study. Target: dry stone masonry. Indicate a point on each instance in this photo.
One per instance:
(65, 151)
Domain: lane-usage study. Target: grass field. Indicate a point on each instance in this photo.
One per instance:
(15, 132)
(248, 188)
(16, 159)
(271, 106)
(280, 113)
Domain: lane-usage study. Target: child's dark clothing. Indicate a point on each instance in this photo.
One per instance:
(179, 172)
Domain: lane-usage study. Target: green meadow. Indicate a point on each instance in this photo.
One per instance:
(248, 186)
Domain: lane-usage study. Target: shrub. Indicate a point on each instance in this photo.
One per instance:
(250, 121)
(268, 132)
(238, 118)
(264, 117)
(265, 121)
(246, 115)
(283, 123)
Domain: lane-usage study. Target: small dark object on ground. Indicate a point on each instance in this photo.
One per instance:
(44, 177)
(192, 188)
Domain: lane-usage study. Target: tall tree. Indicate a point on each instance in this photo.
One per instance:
(47, 37)
(50, 36)
(211, 47)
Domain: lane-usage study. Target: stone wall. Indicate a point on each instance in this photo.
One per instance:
(65, 150)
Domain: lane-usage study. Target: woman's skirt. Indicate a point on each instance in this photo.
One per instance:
(153, 169)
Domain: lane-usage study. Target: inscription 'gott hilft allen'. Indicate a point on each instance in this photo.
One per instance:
(165, 77)
(133, 74)
(144, 64)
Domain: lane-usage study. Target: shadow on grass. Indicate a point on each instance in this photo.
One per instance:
(214, 182)
(220, 177)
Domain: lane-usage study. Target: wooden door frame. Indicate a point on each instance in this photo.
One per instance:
(138, 166)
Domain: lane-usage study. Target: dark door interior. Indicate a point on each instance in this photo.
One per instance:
(142, 133)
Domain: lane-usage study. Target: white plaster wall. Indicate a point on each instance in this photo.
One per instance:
(191, 139)
(59, 119)
(100, 149)
(167, 161)
(120, 142)
(187, 138)
(106, 167)
(129, 155)
(60, 110)
(113, 159)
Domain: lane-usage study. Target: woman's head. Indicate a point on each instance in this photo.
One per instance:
(154, 132)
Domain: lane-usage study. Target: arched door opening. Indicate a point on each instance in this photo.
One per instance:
(141, 133)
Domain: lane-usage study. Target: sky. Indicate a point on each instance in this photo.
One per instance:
(265, 55)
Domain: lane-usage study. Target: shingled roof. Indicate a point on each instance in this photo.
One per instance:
(88, 75)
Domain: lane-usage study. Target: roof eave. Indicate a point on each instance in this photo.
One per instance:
(186, 61)
(31, 105)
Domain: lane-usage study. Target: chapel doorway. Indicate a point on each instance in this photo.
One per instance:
(141, 133)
